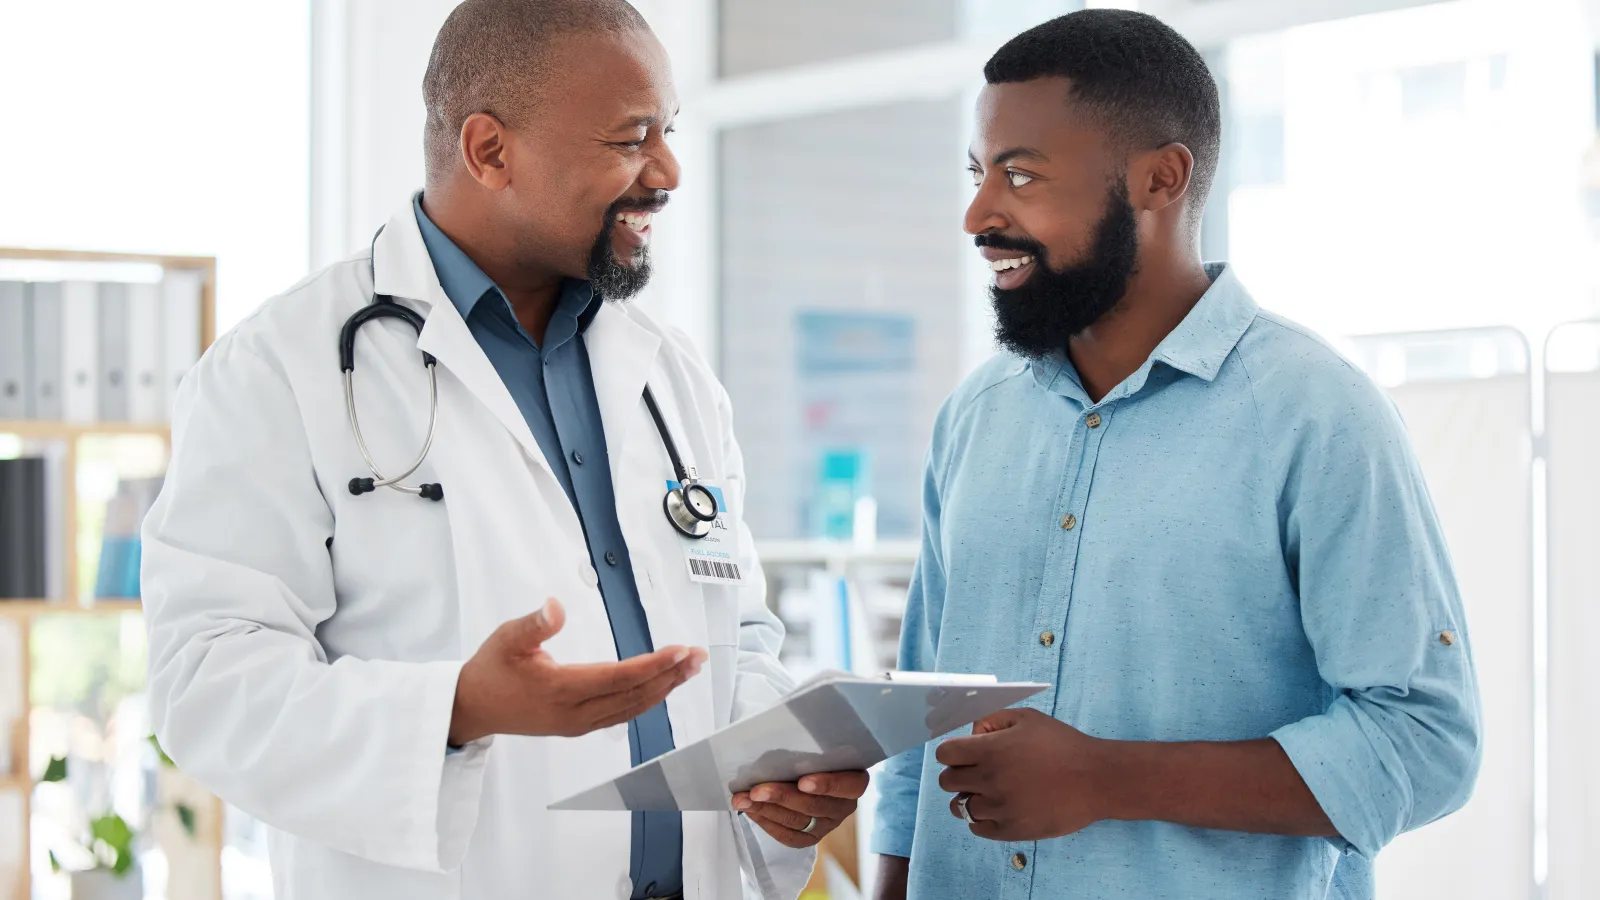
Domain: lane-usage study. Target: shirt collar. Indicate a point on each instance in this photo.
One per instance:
(1208, 334)
(1198, 346)
(465, 284)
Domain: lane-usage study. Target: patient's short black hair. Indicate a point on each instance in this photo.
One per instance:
(1141, 80)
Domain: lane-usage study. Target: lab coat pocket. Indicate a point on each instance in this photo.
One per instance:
(722, 616)
(722, 638)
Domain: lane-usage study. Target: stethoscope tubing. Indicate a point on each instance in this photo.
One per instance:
(361, 442)
(696, 522)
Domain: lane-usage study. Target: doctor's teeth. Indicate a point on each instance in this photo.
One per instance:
(1000, 265)
(636, 221)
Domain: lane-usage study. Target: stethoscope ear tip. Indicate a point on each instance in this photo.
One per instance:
(431, 491)
(359, 486)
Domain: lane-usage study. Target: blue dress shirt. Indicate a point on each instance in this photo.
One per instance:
(554, 389)
(1234, 543)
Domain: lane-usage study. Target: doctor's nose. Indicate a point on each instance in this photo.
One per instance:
(662, 172)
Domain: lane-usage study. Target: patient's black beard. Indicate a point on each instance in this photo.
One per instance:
(1041, 315)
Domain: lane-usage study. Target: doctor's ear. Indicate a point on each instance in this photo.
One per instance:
(483, 149)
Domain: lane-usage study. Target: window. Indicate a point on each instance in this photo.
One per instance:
(841, 309)
(1435, 90)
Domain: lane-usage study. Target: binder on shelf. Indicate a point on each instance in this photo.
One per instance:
(13, 350)
(22, 528)
(181, 299)
(145, 378)
(44, 335)
(80, 351)
(120, 551)
(111, 386)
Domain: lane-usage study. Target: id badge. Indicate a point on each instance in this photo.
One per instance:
(713, 559)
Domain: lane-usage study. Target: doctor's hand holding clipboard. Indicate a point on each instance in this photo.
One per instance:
(512, 686)
(800, 814)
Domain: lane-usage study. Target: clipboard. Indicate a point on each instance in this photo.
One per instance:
(835, 722)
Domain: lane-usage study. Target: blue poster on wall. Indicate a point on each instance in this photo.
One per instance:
(857, 377)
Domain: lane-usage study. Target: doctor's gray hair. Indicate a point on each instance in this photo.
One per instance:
(493, 56)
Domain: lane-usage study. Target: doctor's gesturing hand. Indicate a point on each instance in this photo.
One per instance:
(512, 686)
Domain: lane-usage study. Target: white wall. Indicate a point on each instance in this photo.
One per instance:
(368, 58)
(164, 126)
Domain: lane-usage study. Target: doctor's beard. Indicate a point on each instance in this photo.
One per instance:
(612, 278)
(1040, 316)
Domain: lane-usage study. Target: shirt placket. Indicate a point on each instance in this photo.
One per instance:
(1046, 645)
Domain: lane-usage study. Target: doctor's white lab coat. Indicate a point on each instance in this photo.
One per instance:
(311, 684)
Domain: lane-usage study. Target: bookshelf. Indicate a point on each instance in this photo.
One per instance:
(73, 600)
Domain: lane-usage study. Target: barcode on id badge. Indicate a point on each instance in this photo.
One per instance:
(708, 568)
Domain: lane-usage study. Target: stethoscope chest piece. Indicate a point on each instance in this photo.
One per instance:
(691, 509)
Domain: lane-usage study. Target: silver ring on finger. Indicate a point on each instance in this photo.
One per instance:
(809, 825)
(961, 804)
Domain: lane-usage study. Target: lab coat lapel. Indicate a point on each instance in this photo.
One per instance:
(447, 337)
(403, 269)
(621, 355)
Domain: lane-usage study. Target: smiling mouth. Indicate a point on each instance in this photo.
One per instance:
(638, 222)
(1015, 262)
(1011, 272)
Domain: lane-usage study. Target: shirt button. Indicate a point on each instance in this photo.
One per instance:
(650, 889)
(577, 457)
(1093, 421)
(1447, 637)
(1019, 862)
(1048, 638)
(1069, 521)
(611, 557)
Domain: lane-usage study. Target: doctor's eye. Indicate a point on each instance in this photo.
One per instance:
(977, 176)
(1018, 179)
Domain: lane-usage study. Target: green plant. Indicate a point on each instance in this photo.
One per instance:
(110, 844)
(184, 811)
(111, 838)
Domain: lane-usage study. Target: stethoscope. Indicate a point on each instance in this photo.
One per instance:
(690, 507)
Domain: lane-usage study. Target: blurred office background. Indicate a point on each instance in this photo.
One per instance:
(1418, 180)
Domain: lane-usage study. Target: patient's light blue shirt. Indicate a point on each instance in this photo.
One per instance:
(1234, 543)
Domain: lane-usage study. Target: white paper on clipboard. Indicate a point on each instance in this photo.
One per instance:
(832, 723)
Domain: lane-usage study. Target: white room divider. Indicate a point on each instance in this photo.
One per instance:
(1466, 399)
(1573, 448)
